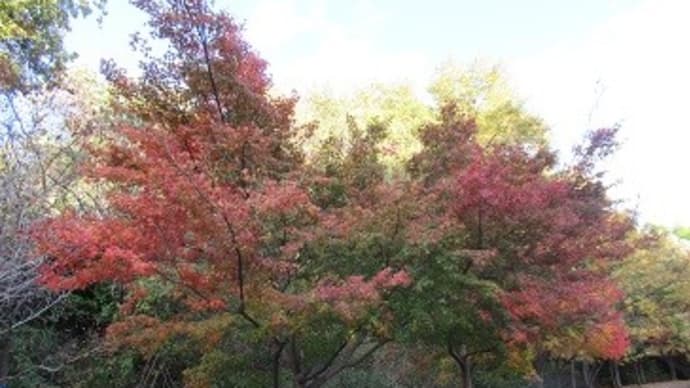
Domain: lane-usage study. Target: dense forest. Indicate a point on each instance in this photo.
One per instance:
(187, 226)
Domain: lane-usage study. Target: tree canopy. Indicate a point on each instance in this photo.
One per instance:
(189, 227)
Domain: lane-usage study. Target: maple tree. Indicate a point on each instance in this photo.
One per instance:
(205, 199)
(537, 235)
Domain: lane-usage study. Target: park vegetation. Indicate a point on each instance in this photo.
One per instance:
(189, 227)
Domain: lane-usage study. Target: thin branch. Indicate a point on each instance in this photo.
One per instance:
(453, 354)
(203, 39)
(328, 363)
(35, 314)
(233, 237)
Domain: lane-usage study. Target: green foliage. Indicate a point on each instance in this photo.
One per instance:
(219, 368)
(501, 377)
(682, 232)
(482, 92)
(110, 369)
(394, 107)
(34, 345)
(31, 39)
(447, 305)
(657, 302)
(363, 378)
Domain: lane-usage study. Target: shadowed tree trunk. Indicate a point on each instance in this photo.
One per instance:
(639, 372)
(590, 373)
(642, 375)
(5, 348)
(275, 367)
(573, 376)
(462, 358)
(615, 374)
(558, 374)
(467, 373)
(540, 367)
(671, 363)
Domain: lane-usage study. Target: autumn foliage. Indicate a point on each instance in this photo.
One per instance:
(206, 196)
(543, 237)
(211, 209)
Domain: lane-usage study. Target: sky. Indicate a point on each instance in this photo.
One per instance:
(577, 64)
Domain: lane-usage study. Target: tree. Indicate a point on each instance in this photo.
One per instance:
(40, 141)
(682, 233)
(477, 91)
(654, 279)
(207, 208)
(533, 236)
(396, 106)
(34, 160)
(31, 40)
(482, 92)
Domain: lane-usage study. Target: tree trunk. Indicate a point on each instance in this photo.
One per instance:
(5, 348)
(589, 373)
(671, 367)
(558, 374)
(682, 369)
(642, 375)
(540, 366)
(276, 363)
(466, 368)
(615, 375)
(296, 364)
(636, 369)
(573, 376)
(462, 358)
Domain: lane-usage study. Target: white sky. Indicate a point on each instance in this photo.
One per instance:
(623, 61)
(640, 58)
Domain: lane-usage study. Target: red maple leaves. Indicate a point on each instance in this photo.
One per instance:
(210, 196)
(207, 196)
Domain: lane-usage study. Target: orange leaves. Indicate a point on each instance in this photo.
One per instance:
(357, 288)
(608, 340)
(282, 199)
(571, 316)
(353, 296)
(144, 333)
(86, 251)
(148, 334)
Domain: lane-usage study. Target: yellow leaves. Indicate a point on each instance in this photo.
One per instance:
(209, 332)
(647, 307)
(482, 92)
(447, 371)
(521, 359)
(202, 376)
(655, 280)
(566, 344)
(10, 11)
(395, 106)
